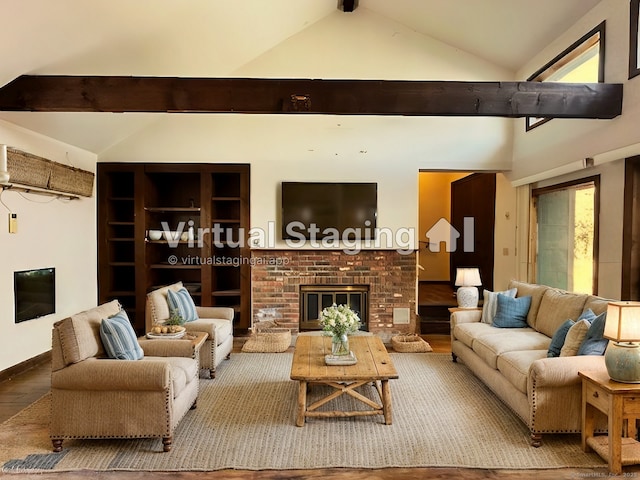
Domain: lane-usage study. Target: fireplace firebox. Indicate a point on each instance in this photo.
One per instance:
(314, 298)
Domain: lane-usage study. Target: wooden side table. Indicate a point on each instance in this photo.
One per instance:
(620, 402)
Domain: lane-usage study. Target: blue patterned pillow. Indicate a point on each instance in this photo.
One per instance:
(595, 343)
(182, 301)
(490, 303)
(119, 338)
(511, 312)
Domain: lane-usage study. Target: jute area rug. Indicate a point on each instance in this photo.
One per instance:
(442, 417)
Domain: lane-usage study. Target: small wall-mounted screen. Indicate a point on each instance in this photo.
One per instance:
(35, 293)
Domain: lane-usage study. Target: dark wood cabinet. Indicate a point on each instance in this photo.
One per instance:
(202, 211)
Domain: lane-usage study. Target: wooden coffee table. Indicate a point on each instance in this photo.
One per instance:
(373, 365)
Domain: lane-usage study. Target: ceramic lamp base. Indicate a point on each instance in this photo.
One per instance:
(623, 362)
(467, 297)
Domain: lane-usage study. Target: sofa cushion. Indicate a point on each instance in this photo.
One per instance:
(182, 302)
(597, 305)
(119, 339)
(468, 332)
(490, 347)
(594, 343)
(535, 292)
(157, 303)
(515, 366)
(575, 336)
(511, 312)
(216, 328)
(80, 334)
(556, 307)
(490, 303)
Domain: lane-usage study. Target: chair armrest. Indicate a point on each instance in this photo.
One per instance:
(166, 348)
(465, 316)
(562, 371)
(106, 374)
(224, 313)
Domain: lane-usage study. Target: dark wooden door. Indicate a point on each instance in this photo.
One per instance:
(473, 206)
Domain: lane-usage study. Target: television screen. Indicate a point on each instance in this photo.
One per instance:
(35, 293)
(330, 207)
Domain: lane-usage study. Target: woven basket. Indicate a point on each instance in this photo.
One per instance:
(27, 169)
(65, 178)
(409, 343)
(268, 337)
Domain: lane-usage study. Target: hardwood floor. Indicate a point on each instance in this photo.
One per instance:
(21, 390)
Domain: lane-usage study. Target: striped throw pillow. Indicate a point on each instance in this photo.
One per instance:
(490, 303)
(181, 300)
(119, 338)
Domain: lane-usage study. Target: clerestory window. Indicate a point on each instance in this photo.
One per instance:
(582, 62)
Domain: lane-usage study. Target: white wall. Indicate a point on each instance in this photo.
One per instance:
(553, 153)
(387, 150)
(51, 233)
(561, 144)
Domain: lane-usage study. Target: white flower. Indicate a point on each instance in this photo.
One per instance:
(339, 320)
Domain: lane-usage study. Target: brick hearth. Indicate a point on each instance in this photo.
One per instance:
(276, 277)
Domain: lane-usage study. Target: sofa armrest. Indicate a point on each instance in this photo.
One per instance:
(165, 348)
(562, 371)
(224, 313)
(465, 316)
(106, 374)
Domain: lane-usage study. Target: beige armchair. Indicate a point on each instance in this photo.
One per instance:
(96, 397)
(217, 322)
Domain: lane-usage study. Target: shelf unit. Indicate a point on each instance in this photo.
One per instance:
(213, 199)
(117, 238)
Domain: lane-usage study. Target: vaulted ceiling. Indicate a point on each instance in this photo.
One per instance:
(215, 38)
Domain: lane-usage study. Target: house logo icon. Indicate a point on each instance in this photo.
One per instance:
(443, 232)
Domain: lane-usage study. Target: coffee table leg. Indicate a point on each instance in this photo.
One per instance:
(386, 401)
(302, 403)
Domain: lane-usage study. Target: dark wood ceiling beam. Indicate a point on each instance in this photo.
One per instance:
(295, 96)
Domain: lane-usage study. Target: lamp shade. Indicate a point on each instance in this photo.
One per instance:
(468, 277)
(623, 322)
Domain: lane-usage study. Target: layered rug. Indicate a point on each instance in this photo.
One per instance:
(442, 417)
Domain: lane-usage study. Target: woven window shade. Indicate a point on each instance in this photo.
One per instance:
(31, 170)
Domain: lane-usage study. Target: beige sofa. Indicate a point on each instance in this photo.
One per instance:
(96, 397)
(544, 392)
(217, 322)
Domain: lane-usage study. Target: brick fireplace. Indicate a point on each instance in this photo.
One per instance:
(390, 277)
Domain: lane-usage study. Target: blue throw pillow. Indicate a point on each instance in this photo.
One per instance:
(119, 338)
(511, 312)
(594, 343)
(182, 301)
(557, 341)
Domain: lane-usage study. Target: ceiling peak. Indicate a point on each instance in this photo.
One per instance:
(347, 5)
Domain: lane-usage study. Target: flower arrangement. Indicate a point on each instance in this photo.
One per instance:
(339, 320)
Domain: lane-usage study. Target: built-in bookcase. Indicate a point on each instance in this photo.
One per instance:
(212, 199)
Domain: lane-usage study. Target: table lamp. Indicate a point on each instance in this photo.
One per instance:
(622, 357)
(467, 279)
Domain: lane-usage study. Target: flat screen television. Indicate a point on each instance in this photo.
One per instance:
(335, 206)
(35, 293)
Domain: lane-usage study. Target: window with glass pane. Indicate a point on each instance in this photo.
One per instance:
(566, 234)
(582, 62)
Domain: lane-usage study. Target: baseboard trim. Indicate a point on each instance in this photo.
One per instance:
(24, 366)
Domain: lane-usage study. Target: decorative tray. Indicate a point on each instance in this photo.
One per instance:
(178, 334)
(341, 359)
